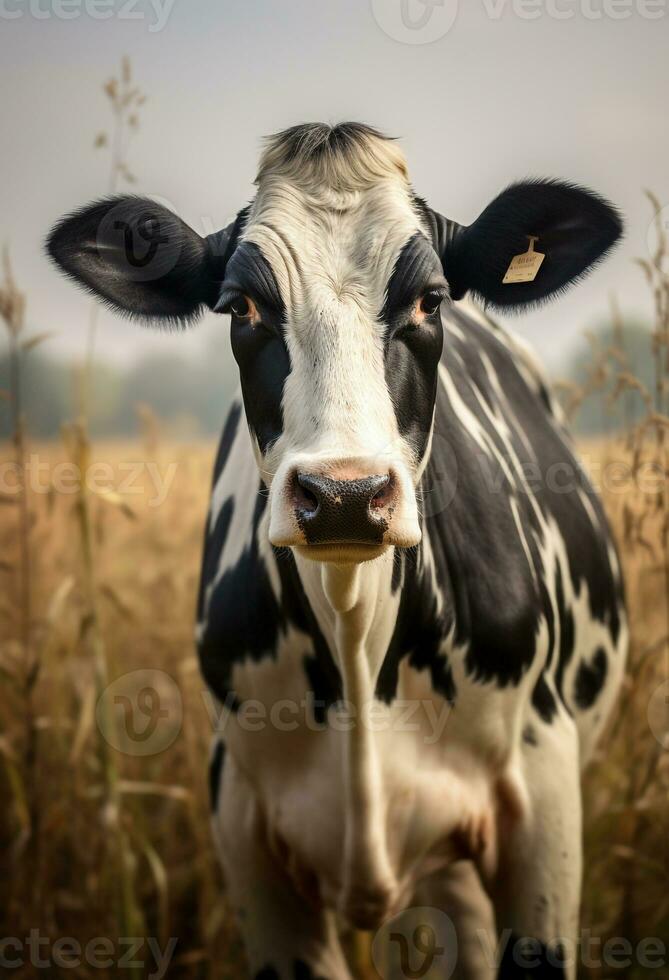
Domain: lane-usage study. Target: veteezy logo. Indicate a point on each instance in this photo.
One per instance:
(414, 943)
(424, 21)
(657, 234)
(142, 246)
(415, 21)
(149, 233)
(100, 952)
(140, 713)
(156, 11)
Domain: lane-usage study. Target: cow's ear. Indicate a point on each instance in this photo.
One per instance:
(141, 259)
(573, 227)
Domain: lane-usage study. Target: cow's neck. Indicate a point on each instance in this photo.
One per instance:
(357, 612)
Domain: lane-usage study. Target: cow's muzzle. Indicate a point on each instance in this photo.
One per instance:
(338, 512)
(342, 510)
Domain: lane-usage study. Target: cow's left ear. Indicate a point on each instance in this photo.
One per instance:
(141, 259)
(573, 228)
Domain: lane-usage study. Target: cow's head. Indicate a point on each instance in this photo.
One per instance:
(335, 278)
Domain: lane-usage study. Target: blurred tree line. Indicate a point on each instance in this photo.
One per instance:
(592, 367)
(190, 396)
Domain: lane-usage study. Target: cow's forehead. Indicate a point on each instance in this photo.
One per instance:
(316, 249)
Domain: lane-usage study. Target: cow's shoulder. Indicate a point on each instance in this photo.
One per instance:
(467, 322)
(521, 542)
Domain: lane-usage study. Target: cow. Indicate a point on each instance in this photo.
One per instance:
(411, 611)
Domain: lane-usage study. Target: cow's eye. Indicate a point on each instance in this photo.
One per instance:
(243, 308)
(430, 302)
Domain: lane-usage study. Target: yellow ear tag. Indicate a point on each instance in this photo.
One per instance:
(524, 268)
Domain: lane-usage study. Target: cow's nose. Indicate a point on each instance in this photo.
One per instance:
(342, 511)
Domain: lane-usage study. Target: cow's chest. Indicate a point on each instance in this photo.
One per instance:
(436, 784)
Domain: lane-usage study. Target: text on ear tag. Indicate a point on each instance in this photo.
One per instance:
(524, 267)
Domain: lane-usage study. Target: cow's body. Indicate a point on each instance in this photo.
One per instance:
(411, 608)
(510, 611)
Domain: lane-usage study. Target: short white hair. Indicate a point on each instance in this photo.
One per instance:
(347, 157)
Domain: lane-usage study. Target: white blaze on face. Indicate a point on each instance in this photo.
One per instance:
(332, 233)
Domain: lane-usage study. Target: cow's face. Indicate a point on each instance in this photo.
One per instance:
(335, 302)
(335, 279)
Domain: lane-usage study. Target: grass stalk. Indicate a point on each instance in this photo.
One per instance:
(12, 311)
(124, 99)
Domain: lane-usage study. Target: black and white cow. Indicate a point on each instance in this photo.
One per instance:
(411, 606)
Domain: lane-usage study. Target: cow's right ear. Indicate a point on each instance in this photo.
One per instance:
(141, 259)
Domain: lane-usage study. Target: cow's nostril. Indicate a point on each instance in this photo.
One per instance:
(309, 500)
(305, 498)
(382, 496)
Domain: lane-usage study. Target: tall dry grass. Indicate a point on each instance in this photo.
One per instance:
(87, 831)
(627, 788)
(147, 562)
(125, 100)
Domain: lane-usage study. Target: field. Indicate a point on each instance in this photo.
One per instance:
(104, 843)
(60, 831)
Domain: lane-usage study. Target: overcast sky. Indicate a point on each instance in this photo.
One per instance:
(499, 90)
